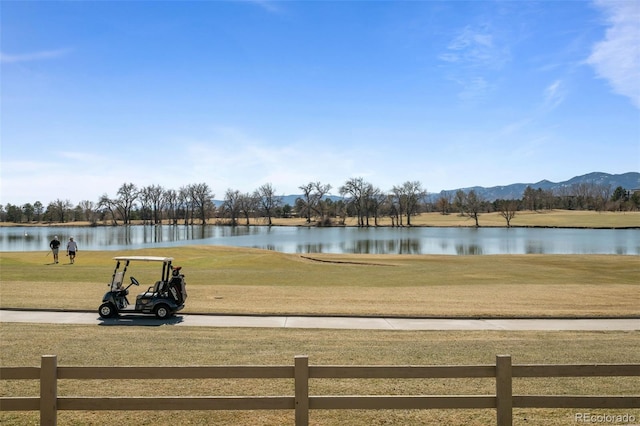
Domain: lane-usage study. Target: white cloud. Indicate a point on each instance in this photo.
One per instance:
(554, 95)
(514, 128)
(231, 158)
(268, 5)
(617, 57)
(470, 57)
(44, 181)
(33, 56)
(474, 89)
(226, 158)
(84, 157)
(476, 48)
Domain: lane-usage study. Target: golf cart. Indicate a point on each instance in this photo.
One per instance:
(163, 299)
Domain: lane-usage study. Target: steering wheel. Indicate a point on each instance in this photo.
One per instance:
(134, 281)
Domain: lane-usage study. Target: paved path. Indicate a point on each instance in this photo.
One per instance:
(361, 323)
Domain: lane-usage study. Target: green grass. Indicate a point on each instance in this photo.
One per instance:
(543, 218)
(525, 218)
(235, 280)
(22, 344)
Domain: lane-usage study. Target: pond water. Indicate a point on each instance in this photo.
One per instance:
(449, 241)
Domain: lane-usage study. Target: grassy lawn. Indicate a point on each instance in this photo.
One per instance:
(544, 218)
(22, 344)
(525, 218)
(234, 280)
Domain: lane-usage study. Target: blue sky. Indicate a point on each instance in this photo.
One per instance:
(238, 94)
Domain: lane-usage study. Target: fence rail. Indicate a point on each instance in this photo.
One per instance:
(49, 403)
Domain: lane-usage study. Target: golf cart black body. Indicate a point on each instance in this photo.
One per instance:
(163, 299)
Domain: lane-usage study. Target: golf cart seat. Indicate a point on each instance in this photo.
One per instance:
(158, 288)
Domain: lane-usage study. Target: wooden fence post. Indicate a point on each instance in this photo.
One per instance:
(48, 390)
(301, 379)
(504, 390)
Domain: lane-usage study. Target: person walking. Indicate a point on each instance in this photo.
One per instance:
(55, 246)
(72, 249)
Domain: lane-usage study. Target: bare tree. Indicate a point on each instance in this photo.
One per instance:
(398, 204)
(310, 202)
(459, 201)
(340, 209)
(444, 202)
(408, 198)
(88, 209)
(376, 199)
(305, 202)
(268, 200)
(186, 204)
(127, 195)
(247, 204)
(171, 200)
(59, 209)
(473, 206)
(357, 191)
(602, 196)
(144, 197)
(155, 197)
(508, 209)
(415, 198)
(231, 205)
(391, 209)
(107, 203)
(201, 197)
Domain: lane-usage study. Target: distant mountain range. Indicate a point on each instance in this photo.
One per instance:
(628, 181)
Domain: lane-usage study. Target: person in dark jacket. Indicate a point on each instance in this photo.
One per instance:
(55, 247)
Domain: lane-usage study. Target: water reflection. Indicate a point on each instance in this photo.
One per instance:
(307, 248)
(534, 247)
(462, 249)
(453, 241)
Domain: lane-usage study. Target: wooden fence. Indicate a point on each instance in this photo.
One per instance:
(49, 403)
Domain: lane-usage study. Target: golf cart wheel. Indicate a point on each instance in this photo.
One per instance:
(106, 310)
(162, 312)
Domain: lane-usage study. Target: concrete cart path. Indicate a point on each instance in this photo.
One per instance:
(327, 322)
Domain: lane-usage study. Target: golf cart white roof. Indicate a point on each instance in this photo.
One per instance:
(145, 258)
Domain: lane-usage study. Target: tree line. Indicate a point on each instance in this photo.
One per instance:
(194, 204)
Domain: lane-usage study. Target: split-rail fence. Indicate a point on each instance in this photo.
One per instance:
(503, 401)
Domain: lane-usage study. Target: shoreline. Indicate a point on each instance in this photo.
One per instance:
(552, 219)
(85, 225)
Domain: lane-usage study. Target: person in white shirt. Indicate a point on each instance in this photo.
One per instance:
(72, 249)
